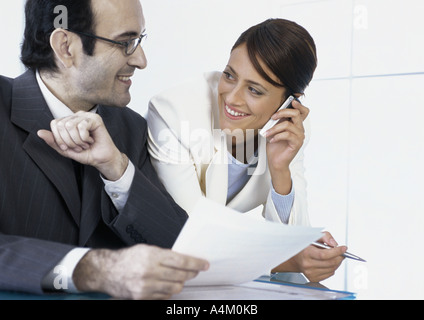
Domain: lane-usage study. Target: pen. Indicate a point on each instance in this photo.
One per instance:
(346, 254)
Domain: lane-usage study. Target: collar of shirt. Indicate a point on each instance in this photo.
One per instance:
(57, 108)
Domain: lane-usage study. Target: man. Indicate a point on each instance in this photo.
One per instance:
(74, 166)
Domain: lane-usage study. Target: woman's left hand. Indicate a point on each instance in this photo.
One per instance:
(316, 264)
(285, 140)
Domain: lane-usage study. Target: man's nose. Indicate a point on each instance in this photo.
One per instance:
(138, 59)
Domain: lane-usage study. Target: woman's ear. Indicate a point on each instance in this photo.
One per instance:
(60, 41)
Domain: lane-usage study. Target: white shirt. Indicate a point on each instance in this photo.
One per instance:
(60, 278)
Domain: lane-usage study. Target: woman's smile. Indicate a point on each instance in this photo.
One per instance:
(234, 114)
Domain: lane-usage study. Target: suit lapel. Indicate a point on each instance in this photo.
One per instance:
(108, 119)
(31, 113)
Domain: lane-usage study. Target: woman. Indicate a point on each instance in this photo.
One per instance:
(204, 136)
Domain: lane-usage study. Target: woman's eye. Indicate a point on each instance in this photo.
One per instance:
(255, 92)
(228, 75)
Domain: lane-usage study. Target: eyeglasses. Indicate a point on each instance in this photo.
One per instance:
(130, 45)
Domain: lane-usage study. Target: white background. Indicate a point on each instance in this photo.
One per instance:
(365, 158)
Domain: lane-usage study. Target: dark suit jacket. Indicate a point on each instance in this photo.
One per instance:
(42, 216)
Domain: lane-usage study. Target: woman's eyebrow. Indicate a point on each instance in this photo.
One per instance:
(251, 82)
(256, 84)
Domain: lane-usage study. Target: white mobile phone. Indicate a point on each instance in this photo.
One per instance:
(271, 123)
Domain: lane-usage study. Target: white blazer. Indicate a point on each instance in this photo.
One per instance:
(189, 153)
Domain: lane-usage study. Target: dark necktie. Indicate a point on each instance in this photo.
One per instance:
(79, 172)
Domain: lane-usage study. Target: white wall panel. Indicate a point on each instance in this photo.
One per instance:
(389, 37)
(386, 186)
(330, 24)
(11, 17)
(189, 37)
(326, 160)
(327, 154)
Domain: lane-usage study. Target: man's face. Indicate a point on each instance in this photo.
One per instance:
(104, 78)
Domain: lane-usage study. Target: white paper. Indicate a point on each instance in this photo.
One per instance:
(238, 247)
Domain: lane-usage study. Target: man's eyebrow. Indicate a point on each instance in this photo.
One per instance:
(130, 34)
(127, 34)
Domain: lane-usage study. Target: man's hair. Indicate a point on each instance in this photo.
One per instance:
(40, 17)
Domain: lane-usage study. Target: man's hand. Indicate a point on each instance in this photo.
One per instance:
(84, 138)
(141, 272)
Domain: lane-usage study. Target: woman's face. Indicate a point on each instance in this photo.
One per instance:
(246, 100)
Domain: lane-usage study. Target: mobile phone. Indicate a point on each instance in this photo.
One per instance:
(271, 123)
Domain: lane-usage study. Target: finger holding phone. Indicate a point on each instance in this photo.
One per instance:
(285, 139)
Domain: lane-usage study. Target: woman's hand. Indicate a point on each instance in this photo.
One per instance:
(284, 142)
(315, 263)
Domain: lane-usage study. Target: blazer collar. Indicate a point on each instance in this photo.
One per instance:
(29, 109)
(217, 172)
(31, 113)
(257, 184)
(217, 177)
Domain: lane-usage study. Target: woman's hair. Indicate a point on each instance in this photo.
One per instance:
(36, 52)
(287, 50)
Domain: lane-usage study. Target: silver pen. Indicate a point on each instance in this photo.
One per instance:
(346, 254)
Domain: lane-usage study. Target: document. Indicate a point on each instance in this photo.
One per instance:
(261, 290)
(239, 247)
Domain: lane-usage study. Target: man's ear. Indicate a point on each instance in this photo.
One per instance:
(61, 41)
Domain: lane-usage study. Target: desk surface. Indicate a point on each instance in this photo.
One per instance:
(281, 286)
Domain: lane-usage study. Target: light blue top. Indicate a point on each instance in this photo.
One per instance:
(238, 177)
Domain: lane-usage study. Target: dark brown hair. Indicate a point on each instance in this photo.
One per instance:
(36, 52)
(286, 48)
